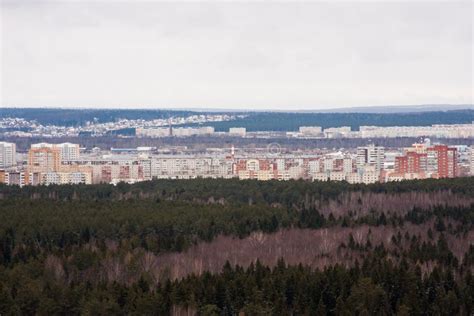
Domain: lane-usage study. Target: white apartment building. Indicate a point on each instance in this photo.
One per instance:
(369, 174)
(281, 164)
(283, 175)
(153, 132)
(7, 154)
(253, 165)
(66, 178)
(109, 169)
(370, 156)
(328, 164)
(69, 151)
(296, 172)
(237, 131)
(172, 168)
(310, 130)
(335, 132)
(178, 131)
(190, 167)
(265, 175)
(337, 176)
(146, 167)
(353, 177)
(191, 131)
(347, 165)
(314, 166)
(320, 176)
(437, 130)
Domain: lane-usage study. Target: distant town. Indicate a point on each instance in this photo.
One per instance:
(68, 163)
(20, 127)
(38, 147)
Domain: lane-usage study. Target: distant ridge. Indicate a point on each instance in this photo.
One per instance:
(357, 109)
(398, 108)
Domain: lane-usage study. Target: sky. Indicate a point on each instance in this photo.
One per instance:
(236, 55)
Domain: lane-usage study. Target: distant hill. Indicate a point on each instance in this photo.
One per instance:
(282, 121)
(262, 121)
(400, 108)
(75, 117)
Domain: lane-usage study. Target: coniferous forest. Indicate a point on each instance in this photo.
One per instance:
(253, 121)
(230, 247)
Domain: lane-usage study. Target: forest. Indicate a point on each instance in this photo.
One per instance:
(78, 117)
(253, 121)
(230, 247)
(280, 121)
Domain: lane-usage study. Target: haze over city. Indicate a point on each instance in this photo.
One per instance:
(236, 55)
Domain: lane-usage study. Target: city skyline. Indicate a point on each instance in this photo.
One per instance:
(260, 56)
(68, 163)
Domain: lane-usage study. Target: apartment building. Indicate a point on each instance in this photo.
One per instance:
(437, 130)
(442, 161)
(337, 132)
(44, 158)
(370, 156)
(7, 155)
(174, 131)
(69, 151)
(19, 178)
(310, 130)
(185, 167)
(52, 164)
(237, 131)
(412, 162)
(425, 161)
(49, 178)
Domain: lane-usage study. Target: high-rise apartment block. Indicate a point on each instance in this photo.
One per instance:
(67, 151)
(51, 163)
(412, 162)
(370, 156)
(44, 159)
(425, 161)
(7, 154)
(442, 161)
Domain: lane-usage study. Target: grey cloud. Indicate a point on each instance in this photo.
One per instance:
(266, 55)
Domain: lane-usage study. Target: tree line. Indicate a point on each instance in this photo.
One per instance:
(234, 191)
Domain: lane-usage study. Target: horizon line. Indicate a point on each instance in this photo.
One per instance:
(426, 107)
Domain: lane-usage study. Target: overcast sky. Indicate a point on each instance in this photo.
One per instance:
(262, 55)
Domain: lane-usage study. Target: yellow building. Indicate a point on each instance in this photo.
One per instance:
(44, 159)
